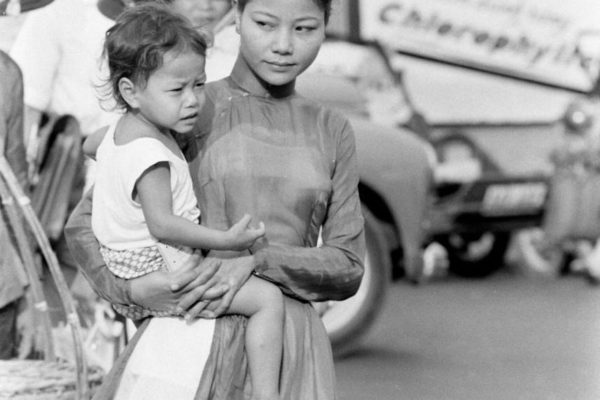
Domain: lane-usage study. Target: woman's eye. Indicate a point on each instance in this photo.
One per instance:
(265, 25)
(199, 84)
(178, 89)
(305, 28)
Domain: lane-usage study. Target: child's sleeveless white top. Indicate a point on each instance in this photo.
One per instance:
(117, 219)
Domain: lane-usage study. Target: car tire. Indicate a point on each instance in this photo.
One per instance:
(476, 255)
(349, 320)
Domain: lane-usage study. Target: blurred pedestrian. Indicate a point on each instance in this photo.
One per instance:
(16, 324)
(203, 14)
(59, 50)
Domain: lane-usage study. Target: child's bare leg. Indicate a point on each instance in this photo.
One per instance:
(262, 302)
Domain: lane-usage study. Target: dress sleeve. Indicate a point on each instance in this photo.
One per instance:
(334, 270)
(86, 251)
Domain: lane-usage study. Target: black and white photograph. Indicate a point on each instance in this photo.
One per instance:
(300, 199)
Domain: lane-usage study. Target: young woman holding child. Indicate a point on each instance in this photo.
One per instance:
(144, 208)
(260, 149)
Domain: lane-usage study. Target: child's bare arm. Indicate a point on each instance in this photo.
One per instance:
(91, 143)
(153, 190)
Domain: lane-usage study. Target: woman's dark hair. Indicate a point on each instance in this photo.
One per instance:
(136, 44)
(325, 5)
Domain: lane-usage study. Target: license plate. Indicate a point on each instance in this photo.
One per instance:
(514, 198)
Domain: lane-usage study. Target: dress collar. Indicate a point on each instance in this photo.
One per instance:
(245, 78)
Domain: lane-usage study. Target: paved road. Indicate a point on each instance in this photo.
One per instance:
(507, 337)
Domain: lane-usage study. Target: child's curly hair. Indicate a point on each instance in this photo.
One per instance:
(136, 44)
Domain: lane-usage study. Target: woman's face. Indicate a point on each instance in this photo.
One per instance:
(202, 13)
(280, 38)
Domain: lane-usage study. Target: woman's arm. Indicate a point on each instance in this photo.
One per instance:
(92, 142)
(330, 272)
(86, 251)
(158, 290)
(334, 270)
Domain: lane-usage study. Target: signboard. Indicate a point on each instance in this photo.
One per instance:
(539, 40)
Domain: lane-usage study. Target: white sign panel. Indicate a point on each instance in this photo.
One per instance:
(533, 39)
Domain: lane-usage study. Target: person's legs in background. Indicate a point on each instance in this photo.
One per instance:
(8, 331)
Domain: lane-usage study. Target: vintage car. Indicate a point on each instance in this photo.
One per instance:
(395, 188)
(396, 172)
(417, 189)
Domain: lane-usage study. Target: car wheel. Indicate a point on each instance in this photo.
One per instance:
(476, 255)
(349, 320)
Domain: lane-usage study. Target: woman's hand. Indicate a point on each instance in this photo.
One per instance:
(195, 282)
(230, 276)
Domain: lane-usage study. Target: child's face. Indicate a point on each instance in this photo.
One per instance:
(202, 13)
(280, 38)
(173, 94)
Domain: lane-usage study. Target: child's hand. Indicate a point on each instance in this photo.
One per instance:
(242, 236)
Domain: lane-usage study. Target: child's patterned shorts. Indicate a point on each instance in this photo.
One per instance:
(131, 263)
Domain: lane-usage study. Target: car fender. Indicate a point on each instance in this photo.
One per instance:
(395, 163)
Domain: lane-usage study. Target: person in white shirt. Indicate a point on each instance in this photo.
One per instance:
(58, 49)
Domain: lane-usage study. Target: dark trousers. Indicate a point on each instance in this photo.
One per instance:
(8, 331)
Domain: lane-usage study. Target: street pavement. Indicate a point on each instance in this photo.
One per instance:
(506, 337)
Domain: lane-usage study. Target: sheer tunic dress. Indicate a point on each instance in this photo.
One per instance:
(291, 164)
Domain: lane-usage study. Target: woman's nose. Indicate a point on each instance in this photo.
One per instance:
(283, 42)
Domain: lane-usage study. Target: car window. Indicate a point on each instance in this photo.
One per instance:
(333, 91)
(367, 67)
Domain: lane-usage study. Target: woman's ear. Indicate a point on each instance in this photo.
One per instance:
(238, 15)
(128, 92)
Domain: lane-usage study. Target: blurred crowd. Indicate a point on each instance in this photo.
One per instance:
(53, 67)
